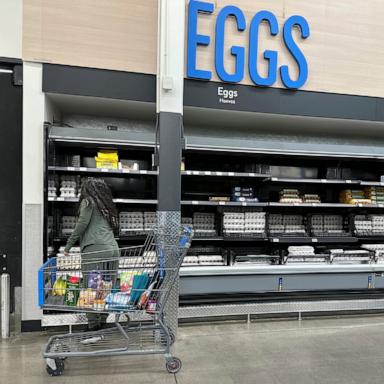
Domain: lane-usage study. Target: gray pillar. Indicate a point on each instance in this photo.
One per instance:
(169, 194)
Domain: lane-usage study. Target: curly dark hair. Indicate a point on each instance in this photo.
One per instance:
(97, 192)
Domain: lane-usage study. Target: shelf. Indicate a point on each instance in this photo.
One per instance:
(224, 203)
(281, 269)
(312, 240)
(225, 174)
(102, 171)
(313, 181)
(372, 183)
(325, 205)
(207, 239)
(117, 201)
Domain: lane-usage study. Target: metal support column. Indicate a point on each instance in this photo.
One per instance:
(170, 89)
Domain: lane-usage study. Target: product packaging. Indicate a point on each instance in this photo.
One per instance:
(72, 293)
(86, 298)
(126, 280)
(145, 296)
(151, 306)
(94, 278)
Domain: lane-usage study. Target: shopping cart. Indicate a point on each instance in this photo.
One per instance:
(133, 288)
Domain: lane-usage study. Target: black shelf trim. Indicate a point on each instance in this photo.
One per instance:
(102, 170)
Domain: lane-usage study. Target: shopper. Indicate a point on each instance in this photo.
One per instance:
(97, 222)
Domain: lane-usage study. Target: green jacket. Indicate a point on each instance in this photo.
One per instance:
(91, 228)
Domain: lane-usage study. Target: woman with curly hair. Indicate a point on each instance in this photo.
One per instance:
(95, 231)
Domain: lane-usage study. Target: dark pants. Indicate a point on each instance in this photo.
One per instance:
(104, 259)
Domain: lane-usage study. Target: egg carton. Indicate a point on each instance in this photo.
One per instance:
(211, 260)
(131, 215)
(70, 262)
(190, 260)
(186, 220)
(130, 262)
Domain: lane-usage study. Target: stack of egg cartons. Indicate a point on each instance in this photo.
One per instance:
(187, 221)
(333, 224)
(275, 223)
(52, 185)
(317, 223)
(363, 225)
(375, 194)
(68, 186)
(131, 223)
(293, 224)
(290, 195)
(68, 224)
(304, 250)
(327, 224)
(149, 221)
(378, 249)
(311, 198)
(211, 260)
(254, 222)
(190, 261)
(71, 263)
(298, 254)
(377, 223)
(204, 224)
(233, 223)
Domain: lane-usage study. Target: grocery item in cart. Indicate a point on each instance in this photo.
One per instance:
(72, 293)
(86, 298)
(94, 278)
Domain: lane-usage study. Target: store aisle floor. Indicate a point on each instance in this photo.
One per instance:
(321, 351)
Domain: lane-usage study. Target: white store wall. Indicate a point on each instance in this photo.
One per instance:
(33, 182)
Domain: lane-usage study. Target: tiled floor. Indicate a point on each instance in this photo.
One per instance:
(342, 351)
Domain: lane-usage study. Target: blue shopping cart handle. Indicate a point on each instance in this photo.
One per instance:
(40, 280)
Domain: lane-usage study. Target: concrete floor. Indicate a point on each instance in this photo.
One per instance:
(321, 351)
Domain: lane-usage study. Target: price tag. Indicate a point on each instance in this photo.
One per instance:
(221, 202)
(60, 198)
(348, 181)
(359, 205)
(323, 180)
(194, 202)
(244, 204)
(117, 200)
(196, 173)
(126, 171)
(275, 240)
(189, 173)
(231, 173)
(274, 179)
(83, 169)
(251, 174)
(295, 204)
(51, 199)
(381, 205)
(144, 172)
(70, 168)
(314, 240)
(207, 173)
(219, 173)
(104, 170)
(314, 204)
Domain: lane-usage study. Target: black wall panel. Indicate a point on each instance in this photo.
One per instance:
(282, 101)
(11, 175)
